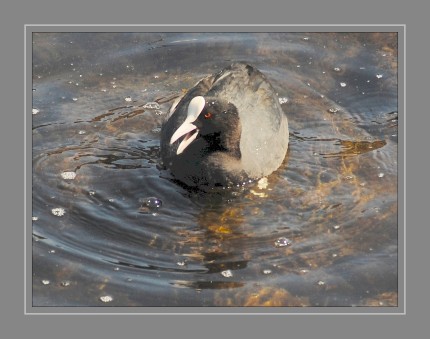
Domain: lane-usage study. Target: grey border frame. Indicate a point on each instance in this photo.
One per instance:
(29, 29)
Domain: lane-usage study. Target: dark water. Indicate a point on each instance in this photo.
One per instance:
(322, 231)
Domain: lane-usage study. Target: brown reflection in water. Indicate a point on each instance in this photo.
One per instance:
(383, 299)
(127, 113)
(200, 285)
(264, 296)
(350, 148)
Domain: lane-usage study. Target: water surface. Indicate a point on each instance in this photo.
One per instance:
(110, 227)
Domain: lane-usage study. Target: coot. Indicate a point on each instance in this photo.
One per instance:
(227, 130)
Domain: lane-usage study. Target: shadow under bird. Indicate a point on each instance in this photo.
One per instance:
(226, 130)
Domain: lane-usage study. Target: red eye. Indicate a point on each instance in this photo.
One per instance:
(208, 115)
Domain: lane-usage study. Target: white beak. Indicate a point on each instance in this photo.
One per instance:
(195, 107)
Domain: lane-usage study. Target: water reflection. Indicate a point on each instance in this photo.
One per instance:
(131, 233)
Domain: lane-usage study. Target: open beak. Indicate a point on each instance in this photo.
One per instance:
(188, 128)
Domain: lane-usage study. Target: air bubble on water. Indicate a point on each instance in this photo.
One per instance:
(282, 242)
(150, 204)
(68, 175)
(34, 218)
(267, 271)
(128, 99)
(342, 84)
(381, 175)
(45, 282)
(65, 283)
(35, 111)
(379, 76)
(59, 211)
(283, 100)
(152, 105)
(227, 273)
(106, 298)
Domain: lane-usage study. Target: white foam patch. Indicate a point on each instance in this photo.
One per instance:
(68, 175)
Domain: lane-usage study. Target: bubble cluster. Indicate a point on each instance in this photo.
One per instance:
(106, 298)
(68, 175)
(151, 105)
(283, 100)
(282, 242)
(58, 211)
(227, 273)
(150, 204)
